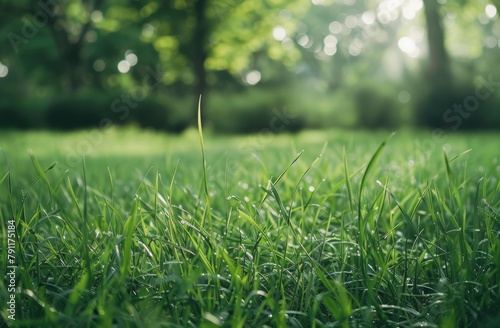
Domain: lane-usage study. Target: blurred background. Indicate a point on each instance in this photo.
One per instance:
(259, 64)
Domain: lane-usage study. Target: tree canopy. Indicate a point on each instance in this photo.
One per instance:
(328, 49)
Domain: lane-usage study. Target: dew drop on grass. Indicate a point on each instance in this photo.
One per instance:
(243, 185)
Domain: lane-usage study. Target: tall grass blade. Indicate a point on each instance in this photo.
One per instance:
(202, 144)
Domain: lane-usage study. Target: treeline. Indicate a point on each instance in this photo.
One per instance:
(250, 110)
(370, 64)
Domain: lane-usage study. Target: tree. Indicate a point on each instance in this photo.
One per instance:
(71, 44)
(438, 92)
(439, 64)
(200, 36)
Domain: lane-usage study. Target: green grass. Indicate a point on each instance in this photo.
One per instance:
(319, 229)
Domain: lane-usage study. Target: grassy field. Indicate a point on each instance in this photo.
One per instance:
(319, 229)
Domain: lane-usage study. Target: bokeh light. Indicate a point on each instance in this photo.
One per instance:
(490, 41)
(96, 16)
(388, 11)
(4, 70)
(279, 33)
(335, 27)
(99, 65)
(411, 8)
(408, 46)
(253, 77)
(368, 17)
(417, 33)
(330, 50)
(287, 44)
(330, 41)
(351, 21)
(131, 58)
(491, 11)
(91, 36)
(305, 41)
(123, 66)
(356, 47)
(148, 31)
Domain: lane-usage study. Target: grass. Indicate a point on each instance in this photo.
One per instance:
(320, 229)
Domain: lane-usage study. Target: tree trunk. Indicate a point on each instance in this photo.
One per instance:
(438, 90)
(74, 63)
(439, 64)
(72, 52)
(200, 53)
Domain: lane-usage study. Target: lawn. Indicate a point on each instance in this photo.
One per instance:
(318, 229)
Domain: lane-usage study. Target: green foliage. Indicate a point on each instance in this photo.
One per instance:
(253, 110)
(322, 110)
(377, 106)
(82, 110)
(22, 114)
(457, 107)
(13, 118)
(94, 109)
(322, 52)
(162, 113)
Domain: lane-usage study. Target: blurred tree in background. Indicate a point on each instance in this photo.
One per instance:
(320, 63)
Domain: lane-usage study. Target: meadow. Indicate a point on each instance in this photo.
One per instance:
(130, 228)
